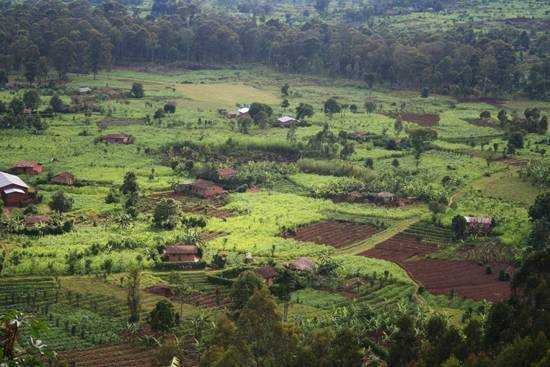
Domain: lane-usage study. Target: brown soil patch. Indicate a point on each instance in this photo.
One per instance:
(466, 278)
(333, 233)
(121, 355)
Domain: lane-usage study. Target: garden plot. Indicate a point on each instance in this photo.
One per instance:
(464, 278)
(121, 355)
(333, 233)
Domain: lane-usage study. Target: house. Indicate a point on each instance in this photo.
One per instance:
(286, 121)
(302, 264)
(479, 225)
(84, 90)
(241, 112)
(26, 168)
(268, 273)
(202, 188)
(182, 253)
(117, 138)
(13, 190)
(63, 178)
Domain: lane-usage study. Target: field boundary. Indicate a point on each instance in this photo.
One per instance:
(362, 246)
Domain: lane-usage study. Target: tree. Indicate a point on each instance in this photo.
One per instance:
(129, 184)
(31, 99)
(134, 297)
(285, 104)
(460, 227)
(137, 91)
(405, 346)
(395, 163)
(61, 203)
(63, 56)
(260, 111)
(243, 288)
(3, 78)
(370, 106)
(170, 107)
(420, 137)
(369, 163)
(57, 104)
(166, 214)
(284, 90)
(425, 92)
(16, 106)
(502, 118)
(398, 126)
(304, 110)
(539, 214)
(331, 106)
(162, 317)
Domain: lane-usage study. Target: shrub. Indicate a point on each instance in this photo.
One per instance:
(162, 317)
(137, 91)
(166, 214)
(60, 203)
(503, 276)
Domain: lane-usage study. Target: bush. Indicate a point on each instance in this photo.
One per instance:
(137, 91)
(162, 317)
(60, 203)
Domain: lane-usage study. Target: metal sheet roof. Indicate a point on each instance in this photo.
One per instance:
(6, 179)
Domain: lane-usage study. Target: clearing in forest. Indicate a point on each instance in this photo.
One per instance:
(466, 279)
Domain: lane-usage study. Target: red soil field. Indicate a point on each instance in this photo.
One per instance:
(423, 119)
(122, 355)
(333, 233)
(466, 278)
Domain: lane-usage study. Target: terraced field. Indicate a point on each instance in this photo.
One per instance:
(121, 355)
(334, 233)
(464, 278)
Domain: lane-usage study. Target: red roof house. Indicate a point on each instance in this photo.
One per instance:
(226, 173)
(27, 168)
(63, 178)
(182, 253)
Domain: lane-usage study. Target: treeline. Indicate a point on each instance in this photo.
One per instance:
(36, 36)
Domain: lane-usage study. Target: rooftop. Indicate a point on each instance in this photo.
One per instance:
(7, 179)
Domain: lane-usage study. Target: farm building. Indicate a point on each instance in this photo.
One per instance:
(26, 168)
(241, 112)
(302, 264)
(182, 253)
(117, 138)
(202, 188)
(13, 190)
(268, 273)
(63, 178)
(286, 121)
(480, 225)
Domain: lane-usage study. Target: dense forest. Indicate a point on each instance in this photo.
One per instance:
(81, 37)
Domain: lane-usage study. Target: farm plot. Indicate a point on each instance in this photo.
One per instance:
(121, 355)
(334, 233)
(464, 278)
